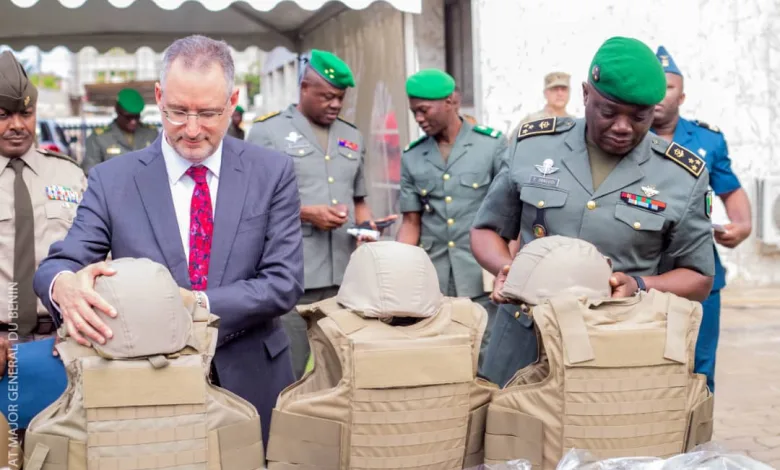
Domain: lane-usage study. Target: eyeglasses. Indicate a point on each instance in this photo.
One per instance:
(205, 118)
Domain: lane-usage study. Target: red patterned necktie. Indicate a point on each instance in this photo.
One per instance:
(201, 228)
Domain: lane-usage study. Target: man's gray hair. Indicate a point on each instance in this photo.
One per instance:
(199, 52)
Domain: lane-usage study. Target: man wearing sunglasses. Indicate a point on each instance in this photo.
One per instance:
(123, 135)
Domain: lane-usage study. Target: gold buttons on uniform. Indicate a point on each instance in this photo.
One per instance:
(450, 221)
(591, 205)
(474, 185)
(334, 201)
(540, 203)
(451, 244)
(424, 192)
(327, 157)
(330, 179)
(637, 225)
(446, 176)
(448, 199)
(300, 152)
(517, 314)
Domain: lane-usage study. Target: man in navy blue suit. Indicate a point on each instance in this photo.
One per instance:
(223, 215)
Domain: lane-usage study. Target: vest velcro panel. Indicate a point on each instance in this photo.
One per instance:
(620, 384)
(406, 398)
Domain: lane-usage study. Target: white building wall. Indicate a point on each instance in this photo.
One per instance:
(727, 50)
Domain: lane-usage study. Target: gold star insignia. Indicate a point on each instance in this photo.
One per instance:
(544, 125)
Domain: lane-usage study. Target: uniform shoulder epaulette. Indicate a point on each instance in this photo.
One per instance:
(51, 153)
(266, 116)
(709, 127)
(415, 143)
(552, 125)
(680, 155)
(488, 131)
(341, 118)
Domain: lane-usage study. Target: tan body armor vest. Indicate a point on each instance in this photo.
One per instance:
(156, 412)
(615, 378)
(385, 397)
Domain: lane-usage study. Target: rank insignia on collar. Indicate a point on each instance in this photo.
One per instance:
(60, 193)
(643, 202)
(685, 158)
(708, 204)
(350, 145)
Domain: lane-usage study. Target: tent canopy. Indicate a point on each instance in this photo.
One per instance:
(131, 24)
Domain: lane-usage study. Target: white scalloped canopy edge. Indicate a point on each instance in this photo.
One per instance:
(409, 6)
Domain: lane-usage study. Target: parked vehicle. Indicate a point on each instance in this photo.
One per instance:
(51, 137)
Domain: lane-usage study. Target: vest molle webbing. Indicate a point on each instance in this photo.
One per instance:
(156, 412)
(620, 383)
(383, 396)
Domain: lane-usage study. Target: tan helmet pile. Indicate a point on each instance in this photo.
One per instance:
(143, 400)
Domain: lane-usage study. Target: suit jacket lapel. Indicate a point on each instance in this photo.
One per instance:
(155, 191)
(233, 183)
(302, 124)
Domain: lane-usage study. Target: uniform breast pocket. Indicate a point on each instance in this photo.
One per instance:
(643, 230)
(474, 184)
(59, 215)
(299, 152)
(543, 198)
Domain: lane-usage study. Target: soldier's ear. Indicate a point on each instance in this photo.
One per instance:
(585, 91)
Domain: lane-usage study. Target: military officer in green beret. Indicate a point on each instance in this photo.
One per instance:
(236, 119)
(329, 157)
(604, 179)
(123, 135)
(445, 175)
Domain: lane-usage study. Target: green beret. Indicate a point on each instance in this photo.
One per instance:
(430, 84)
(626, 70)
(16, 90)
(240, 109)
(130, 100)
(334, 70)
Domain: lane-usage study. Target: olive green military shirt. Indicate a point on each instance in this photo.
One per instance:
(108, 142)
(654, 203)
(325, 176)
(448, 194)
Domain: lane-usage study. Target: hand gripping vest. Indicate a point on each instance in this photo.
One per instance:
(383, 396)
(145, 411)
(615, 378)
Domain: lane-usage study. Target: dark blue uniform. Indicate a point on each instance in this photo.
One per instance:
(708, 142)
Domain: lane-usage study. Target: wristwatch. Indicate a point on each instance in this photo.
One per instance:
(200, 299)
(640, 284)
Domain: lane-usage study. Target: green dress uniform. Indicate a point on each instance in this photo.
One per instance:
(327, 173)
(654, 203)
(448, 194)
(110, 141)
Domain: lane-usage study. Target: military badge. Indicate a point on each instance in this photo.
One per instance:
(293, 137)
(26, 101)
(649, 190)
(708, 204)
(347, 144)
(60, 193)
(546, 168)
(643, 202)
(113, 150)
(595, 73)
(539, 230)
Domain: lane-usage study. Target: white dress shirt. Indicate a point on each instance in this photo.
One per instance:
(182, 187)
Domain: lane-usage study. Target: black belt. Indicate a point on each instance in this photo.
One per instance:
(45, 326)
